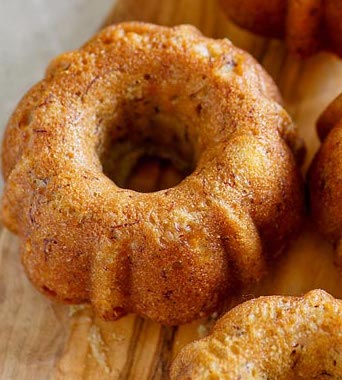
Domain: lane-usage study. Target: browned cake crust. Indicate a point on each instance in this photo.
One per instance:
(325, 177)
(171, 255)
(276, 337)
(307, 25)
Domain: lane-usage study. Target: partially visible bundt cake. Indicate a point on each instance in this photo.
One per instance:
(139, 90)
(325, 177)
(275, 337)
(307, 25)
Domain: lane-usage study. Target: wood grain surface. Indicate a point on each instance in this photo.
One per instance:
(42, 340)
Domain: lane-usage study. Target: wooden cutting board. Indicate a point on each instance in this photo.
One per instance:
(42, 340)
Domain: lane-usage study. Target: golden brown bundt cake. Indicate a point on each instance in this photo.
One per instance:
(325, 177)
(307, 25)
(137, 89)
(275, 337)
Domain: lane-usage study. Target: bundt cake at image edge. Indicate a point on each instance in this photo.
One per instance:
(325, 178)
(306, 25)
(274, 337)
(173, 255)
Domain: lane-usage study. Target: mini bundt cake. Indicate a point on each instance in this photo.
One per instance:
(325, 177)
(137, 89)
(275, 337)
(307, 25)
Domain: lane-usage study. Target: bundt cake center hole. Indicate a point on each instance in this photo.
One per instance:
(153, 173)
(147, 151)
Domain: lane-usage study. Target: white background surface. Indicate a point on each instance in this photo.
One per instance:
(34, 31)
